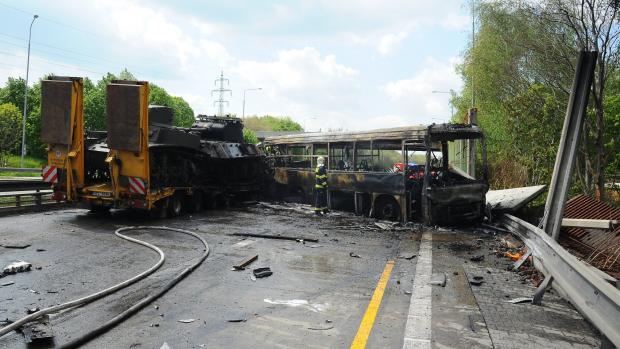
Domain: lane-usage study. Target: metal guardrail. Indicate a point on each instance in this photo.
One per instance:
(19, 169)
(27, 201)
(595, 299)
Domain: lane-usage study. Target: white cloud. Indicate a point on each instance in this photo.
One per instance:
(415, 96)
(301, 81)
(389, 42)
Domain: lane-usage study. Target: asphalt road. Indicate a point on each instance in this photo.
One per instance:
(317, 296)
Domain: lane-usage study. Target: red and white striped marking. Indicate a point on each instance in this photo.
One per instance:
(136, 185)
(50, 174)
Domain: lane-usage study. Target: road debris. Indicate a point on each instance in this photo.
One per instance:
(315, 307)
(471, 323)
(475, 282)
(37, 331)
(477, 258)
(408, 256)
(262, 272)
(16, 267)
(438, 280)
(245, 263)
(351, 254)
(21, 247)
(41, 250)
(386, 225)
(186, 321)
(277, 237)
(320, 328)
(154, 325)
(32, 310)
(237, 320)
(7, 283)
(521, 300)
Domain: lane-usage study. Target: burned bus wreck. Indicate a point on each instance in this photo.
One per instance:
(404, 173)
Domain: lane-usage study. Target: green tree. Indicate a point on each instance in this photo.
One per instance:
(10, 126)
(249, 136)
(183, 113)
(521, 67)
(271, 123)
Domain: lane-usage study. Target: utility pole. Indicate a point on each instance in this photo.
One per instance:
(473, 35)
(244, 91)
(23, 152)
(221, 91)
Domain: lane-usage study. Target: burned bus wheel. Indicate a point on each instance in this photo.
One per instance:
(386, 208)
(175, 205)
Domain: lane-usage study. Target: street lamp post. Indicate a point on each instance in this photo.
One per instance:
(23, 152)
(452, 94)
(244, 91)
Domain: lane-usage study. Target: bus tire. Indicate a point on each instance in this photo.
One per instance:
(175, 204)
(386, 208)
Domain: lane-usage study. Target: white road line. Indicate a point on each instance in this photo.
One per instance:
(418, 327)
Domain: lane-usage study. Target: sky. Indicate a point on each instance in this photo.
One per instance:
(328, 64)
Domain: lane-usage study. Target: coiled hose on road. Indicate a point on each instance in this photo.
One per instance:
(133, 309)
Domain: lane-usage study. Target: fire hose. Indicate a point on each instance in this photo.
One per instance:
(97, 295)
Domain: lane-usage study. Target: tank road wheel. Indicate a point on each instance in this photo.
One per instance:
(386, 208)
(193, 204)
(175, 204)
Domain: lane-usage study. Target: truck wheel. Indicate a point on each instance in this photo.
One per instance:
(175, 204)
(160, 211)
(386, 208)
(194, 203)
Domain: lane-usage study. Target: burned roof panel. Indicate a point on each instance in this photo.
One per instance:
(416, 132)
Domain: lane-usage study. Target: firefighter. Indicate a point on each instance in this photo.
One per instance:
(320, 206)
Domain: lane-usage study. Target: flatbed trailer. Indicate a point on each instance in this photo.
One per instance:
(137, 163)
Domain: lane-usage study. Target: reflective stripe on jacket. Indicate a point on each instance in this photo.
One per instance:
(321, 177)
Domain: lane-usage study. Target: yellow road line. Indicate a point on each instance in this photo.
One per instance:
(363, 332)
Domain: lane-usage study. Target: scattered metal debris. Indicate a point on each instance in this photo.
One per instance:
(262, 272)
(408, 256)
(351, 254)
(521, 300)
(40, 330)
(186, 321)
(238, 320)
(245, 263)
(475, 282)
(32, 310)
(277, 237)
(16, 267)
(321, 328)
(21, 247)
(438, 280)
(386, 225)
